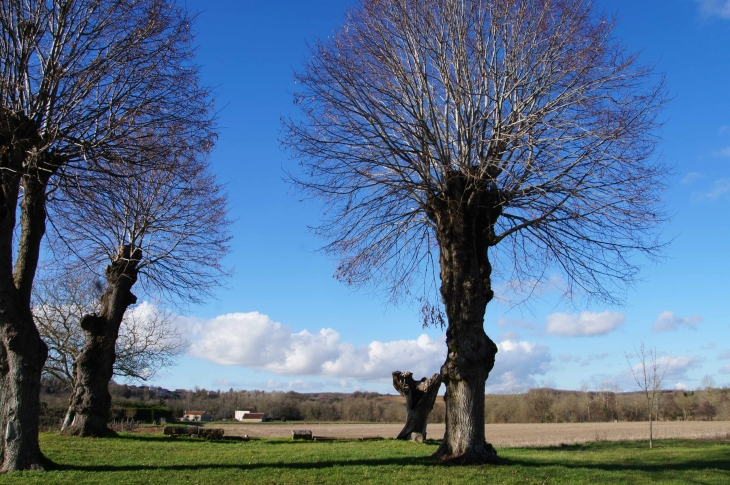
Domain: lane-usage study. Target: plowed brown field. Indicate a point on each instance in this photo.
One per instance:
(500, 435)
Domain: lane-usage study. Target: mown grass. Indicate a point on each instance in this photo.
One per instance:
(143, 459)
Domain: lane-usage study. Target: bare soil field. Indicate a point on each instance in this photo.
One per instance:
(500, 435)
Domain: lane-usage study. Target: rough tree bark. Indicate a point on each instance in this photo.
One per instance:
(420, 397)
(90, 402)
(22, 352)
(464, 215)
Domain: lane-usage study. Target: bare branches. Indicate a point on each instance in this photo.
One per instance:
(99, 77)
(148, 340)
(176, 214)
(532, 100)
(87, 88)
(649, 374)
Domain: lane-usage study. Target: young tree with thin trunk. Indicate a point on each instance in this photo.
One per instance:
(167, 229)
(82, 83)
(473, 140)
(649, 374)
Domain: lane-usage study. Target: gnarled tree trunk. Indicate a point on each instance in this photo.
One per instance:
(22, 352)
(22, 355)
(420, 397)
(90, 404)
(465, 215)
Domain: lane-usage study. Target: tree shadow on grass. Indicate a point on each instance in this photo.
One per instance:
(258, 441)
(715, 462)
(177, 439)
(421, 461)
(685, 466)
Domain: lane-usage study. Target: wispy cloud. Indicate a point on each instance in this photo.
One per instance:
(508, 335)
(715, 8)
(675, 368)
(690, 178)
(718, 189)
(725, 369)
(508, 322)
(668, 321)
(585, 324)
(722, 153)
(724, 355)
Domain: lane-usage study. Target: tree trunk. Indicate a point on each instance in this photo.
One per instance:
(22, 352)
(651, 432)
(22, 355)
(420, 397)
(93, 369)
(464, 216)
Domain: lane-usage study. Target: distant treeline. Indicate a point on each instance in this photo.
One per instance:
(541, 405)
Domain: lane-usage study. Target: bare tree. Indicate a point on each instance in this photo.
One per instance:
(166, 228)
(83, 82)
(505, 136)
(649, 374)
(587, 396)
(148, 341)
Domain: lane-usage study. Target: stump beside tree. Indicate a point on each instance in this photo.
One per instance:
(450, 138)
(420, 397)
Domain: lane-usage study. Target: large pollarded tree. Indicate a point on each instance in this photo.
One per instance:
(83, 83)
(507, 135)
(162, 233)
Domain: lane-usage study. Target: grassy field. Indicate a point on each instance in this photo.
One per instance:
(143, 459)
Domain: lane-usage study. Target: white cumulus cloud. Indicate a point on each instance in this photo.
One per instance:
(585, 324)
(254, 340)
(517, 366)
(668, 321)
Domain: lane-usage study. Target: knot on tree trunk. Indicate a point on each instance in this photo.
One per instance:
(468, 356)
(93, 324)
(420, 398)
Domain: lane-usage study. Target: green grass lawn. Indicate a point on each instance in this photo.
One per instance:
(138, 458)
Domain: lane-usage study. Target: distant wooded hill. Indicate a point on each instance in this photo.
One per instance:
(541, 405)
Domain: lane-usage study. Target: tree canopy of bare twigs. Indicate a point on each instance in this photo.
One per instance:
(175, 214)
(514, 136)
(84, 84)
(148, 341)
(532, 99)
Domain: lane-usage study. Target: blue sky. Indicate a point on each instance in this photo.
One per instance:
(284, 322)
